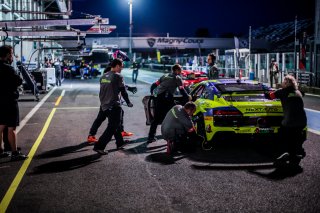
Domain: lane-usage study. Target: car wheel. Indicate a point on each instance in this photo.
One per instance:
(200, 126)
(206, 145)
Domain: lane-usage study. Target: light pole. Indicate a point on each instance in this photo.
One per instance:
(130, 28)
(294, 44)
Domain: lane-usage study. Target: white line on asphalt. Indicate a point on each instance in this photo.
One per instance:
(146, 82)
(314, 131)
(78, 107)
(239, 165)
(63, 92)
(34, 110)
(310, 94)
(312, 110)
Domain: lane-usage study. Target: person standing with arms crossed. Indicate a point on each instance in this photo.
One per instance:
(9, 109)
(111, 85)
(213, 71)
(164, 100)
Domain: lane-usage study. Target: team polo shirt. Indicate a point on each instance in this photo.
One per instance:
(110, 85)
(169, 83)
(293, 107)
(176, 122)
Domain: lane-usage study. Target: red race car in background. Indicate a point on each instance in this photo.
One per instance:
(191, 77)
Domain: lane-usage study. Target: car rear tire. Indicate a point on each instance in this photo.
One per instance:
(200, 126)
(205, 145)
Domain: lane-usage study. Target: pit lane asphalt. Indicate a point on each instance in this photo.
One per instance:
(65, 175)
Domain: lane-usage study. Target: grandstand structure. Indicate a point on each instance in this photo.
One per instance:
(281, 36)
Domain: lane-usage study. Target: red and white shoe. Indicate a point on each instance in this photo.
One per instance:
(92, 139)
(126, 134)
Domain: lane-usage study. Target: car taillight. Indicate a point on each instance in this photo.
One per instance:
(231, 111)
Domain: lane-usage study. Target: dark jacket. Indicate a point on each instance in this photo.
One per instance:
(293, 107)
(213, 71)
(168, 83)
(111, 85)
(177, 122)
(9, 83)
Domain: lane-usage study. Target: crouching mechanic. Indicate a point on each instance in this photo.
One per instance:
(178, 129)
(111, 85)
(292, 126)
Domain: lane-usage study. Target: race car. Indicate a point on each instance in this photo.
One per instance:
(231, 107)
(191, 77)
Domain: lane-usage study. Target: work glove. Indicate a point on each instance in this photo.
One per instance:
(153, 86)
(132, 89)
(267, 94)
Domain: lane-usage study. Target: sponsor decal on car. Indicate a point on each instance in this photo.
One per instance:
(263, 130)
(245, 130)
(263, 109)
(208, 118)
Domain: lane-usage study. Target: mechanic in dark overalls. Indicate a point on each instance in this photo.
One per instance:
(164, 100)
(101, 117)
(178, 129)
(111, 85)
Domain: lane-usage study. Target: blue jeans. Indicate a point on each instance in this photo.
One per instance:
(135, 75)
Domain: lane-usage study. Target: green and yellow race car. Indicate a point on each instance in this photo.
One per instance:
(231, 107)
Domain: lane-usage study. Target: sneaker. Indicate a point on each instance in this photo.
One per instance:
(295, 160)
(120, 146)
(282, 159)
(8, 149)
(100, 151)
(92, 139)
(126, 134)
(151, 140)
(37, 97)
(4, 154)
(170, 147)
(18, 156)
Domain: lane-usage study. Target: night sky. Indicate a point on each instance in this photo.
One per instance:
(183, 17)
